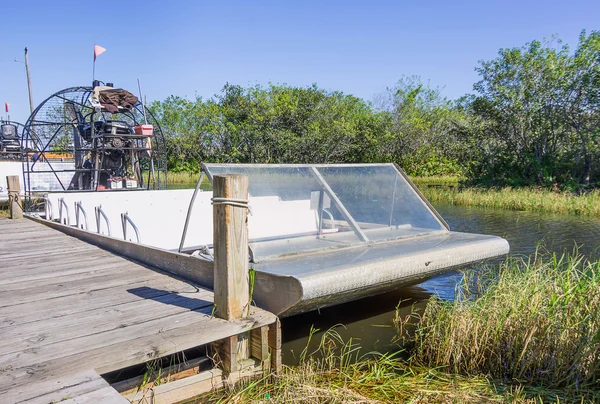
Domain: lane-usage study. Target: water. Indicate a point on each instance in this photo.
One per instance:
(370, 321)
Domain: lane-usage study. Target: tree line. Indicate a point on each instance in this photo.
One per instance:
(533, 119)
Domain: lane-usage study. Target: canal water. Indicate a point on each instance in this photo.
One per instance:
(369, 322)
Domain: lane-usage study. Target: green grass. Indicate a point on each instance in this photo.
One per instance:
(436, 180)
(337, 373)
(526, 199)
(184, 177)
(534, 322)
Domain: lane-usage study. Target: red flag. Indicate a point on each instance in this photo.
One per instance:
(98, 50)
(6, 105)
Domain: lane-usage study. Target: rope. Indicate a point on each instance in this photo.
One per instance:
(240, 203)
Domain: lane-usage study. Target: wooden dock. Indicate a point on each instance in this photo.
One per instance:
(71, 311)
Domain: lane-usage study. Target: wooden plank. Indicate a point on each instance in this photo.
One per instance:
(227, 354)
(50, 252)
(207, 329)
(44, 310)
(29, 281)
(231, 277)
(161, 341)
(54, 291)
(259, 338)
(60, 319)
(31, 335)
(177, 371)
(186, 266)
(103, 395)
(47, 270)
(201, 383)
(275, 345)
(260, 343)
(60, 390)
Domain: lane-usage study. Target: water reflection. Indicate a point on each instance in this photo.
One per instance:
(370, 321)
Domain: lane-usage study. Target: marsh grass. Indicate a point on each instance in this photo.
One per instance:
(526, 199)
(337, 372)
(445, 180)
(184, 177)
(533, 322)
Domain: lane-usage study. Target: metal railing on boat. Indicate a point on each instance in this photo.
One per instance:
(124, 219)
(100, 212)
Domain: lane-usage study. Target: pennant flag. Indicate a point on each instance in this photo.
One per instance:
(98, 50)
(6, 105)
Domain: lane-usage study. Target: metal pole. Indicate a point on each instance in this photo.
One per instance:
(31, 109)
(28, 81)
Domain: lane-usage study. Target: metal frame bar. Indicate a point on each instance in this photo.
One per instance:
(98, 210)
(79, 208)
(124, 219)
(61, 203)
(189, 212)
(48, 208)
(427, 204)
(357, 230)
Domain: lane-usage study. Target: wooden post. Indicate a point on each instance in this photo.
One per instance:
(231, 276)
(14, 197)
(232, 280)
(275, 345)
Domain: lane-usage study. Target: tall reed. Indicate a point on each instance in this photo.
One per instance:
(534, 321)
(527, 199)
(183, 177)
(337, 373)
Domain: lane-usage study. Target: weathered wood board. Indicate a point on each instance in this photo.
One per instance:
(70, 311)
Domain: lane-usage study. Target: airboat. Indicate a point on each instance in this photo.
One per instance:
(319, 235)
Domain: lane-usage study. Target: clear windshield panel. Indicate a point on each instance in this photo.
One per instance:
(284, 203)
(380, 200)
(300, 208)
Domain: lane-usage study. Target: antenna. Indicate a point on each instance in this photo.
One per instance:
(143, 102)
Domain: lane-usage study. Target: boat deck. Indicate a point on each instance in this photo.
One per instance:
(71, 311)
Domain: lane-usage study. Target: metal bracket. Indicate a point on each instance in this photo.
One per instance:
(61, 203)
(79, 208)
(124, 219)
(99, 211)
(49, 209)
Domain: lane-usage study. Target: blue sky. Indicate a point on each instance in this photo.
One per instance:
(190, 48)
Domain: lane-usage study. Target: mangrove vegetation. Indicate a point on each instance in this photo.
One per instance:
(533, 119)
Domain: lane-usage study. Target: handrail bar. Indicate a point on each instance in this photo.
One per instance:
(61, 203)
(124, 219)
(189, 212)
(49, 209)
(79, 208)
(99, 211)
